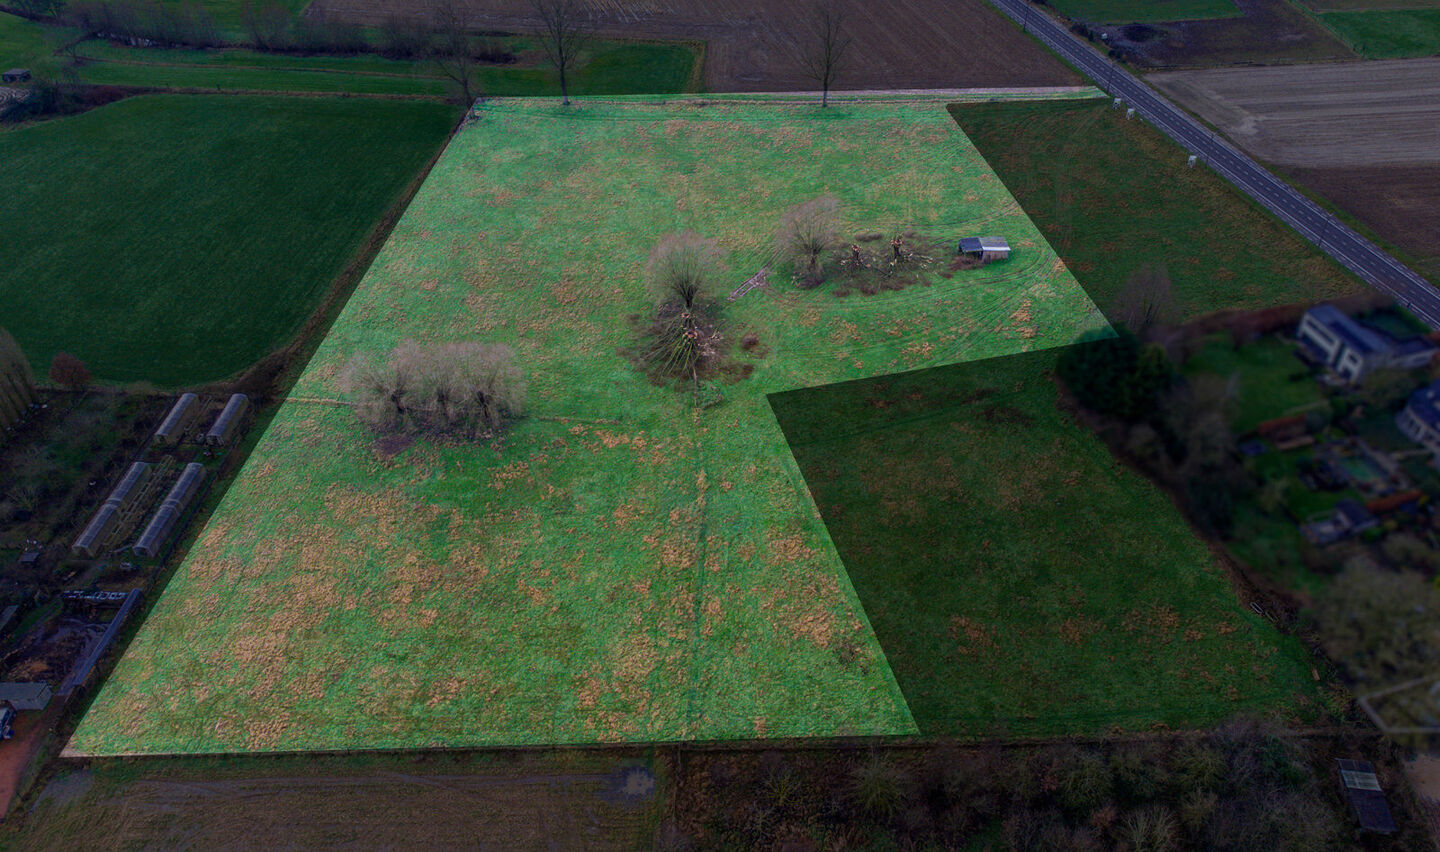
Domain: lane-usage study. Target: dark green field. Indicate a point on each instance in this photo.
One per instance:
(1113, 196)
(1388, 33)
(177, 240)
(1152, 11)
(1019, 579)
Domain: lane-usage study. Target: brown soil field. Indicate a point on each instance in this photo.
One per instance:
(460, 802)
(1270, 32)
(901, 44)
(1401, 204)
(1362, 136)
(1340, 114)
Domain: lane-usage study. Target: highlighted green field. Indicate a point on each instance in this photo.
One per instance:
(621, 566)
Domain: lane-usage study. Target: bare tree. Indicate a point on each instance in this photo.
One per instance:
(470, 390)
(1147, 300)
(682, 267)
(806, 232)
(683, 337)
(822, 45)
(566, 29)
(452, 49)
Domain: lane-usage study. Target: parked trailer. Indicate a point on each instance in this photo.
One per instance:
(157, 532)
(173, 427)
(228, 421)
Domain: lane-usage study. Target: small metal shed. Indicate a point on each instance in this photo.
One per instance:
(15, 75)
(985, 249)
(26, 696)
(1362, 788)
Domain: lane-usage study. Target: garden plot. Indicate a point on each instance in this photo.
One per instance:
(620, 565)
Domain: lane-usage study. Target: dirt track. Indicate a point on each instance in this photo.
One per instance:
(1314, 116)
(900, 44)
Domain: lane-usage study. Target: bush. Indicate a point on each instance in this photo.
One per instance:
(404, 38)
(1150, 829)
(1115, 375)
(806, 232)
(69, 372)
(880, 788)
(469, 390)
(1085, 782)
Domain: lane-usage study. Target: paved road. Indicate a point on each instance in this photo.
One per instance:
(1358, 254)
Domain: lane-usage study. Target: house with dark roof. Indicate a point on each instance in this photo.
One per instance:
(1352, 350)
(1349, 518)
(1419, 420)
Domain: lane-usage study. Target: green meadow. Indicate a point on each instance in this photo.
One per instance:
(621, 565)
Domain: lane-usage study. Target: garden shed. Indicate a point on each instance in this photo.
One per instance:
(26, 696)
(985, 249)
(15, 75)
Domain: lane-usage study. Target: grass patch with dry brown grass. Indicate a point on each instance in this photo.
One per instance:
(621, 566)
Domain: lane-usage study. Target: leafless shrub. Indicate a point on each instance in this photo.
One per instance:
(806, 232)
(468, 390)
(683, 266)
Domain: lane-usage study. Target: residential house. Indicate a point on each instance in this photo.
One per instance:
(1349, 519)
(1419, 420)
(1352, 350)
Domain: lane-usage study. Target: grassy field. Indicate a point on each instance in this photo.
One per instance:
(608, 67)
(1144, 11)
(1264, 372)
(621, 566)
(177, 240)
(1113, 196)
(1020, 580)
(1388, 33)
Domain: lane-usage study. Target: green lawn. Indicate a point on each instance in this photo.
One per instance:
(1271, 381)
(621, 566)
(1020, 580)
(177, 240)
(1144, 11)
(1388, 33)
(1113, 195)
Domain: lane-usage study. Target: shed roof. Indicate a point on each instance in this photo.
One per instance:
(17, 693)
(994, 244)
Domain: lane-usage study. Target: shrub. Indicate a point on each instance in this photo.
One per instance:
(880, 788)
(683, 267)
(1085, 782)
(69, 372)
(1199, 767)
(1150, 829)
(806, 232)
(469, 390)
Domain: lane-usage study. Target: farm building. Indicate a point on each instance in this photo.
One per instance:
(1362, 789)
(228, 421)
(26, 696)
(152, 541)
(173, 428)
(1352, 350)
(15, 75)
(109, 515)
(984, 249)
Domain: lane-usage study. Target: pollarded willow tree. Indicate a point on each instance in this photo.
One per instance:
(465, 390)
(806, 232)
(684, 335)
